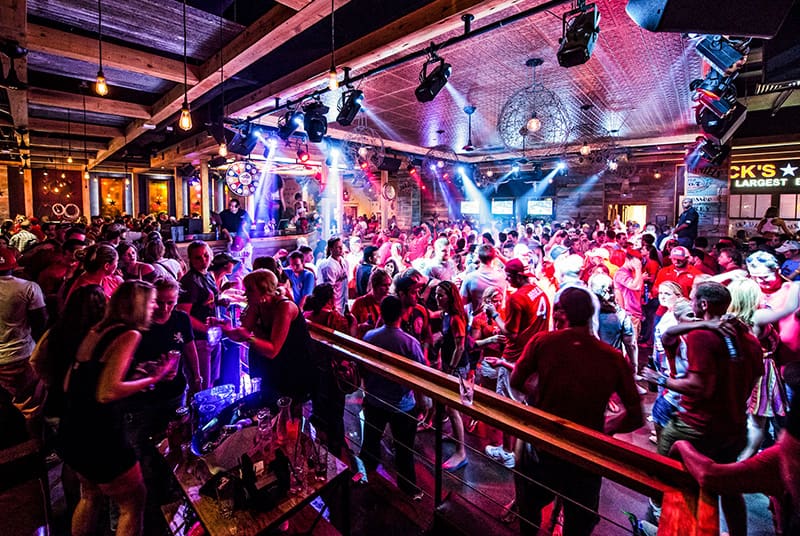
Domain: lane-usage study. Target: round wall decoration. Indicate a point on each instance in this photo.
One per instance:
(242, 178)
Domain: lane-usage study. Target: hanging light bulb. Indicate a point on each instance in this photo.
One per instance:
(223, 149)
(333, 79)
(100, 86)
(185, 122)
(534, 124)
(69, 159)
(63, 175)
(86, 172)
(585, 149)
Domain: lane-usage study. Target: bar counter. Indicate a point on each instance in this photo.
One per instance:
(262, 246)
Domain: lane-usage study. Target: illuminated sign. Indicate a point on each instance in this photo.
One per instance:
(769, 175)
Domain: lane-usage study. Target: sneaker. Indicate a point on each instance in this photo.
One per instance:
(498, 454)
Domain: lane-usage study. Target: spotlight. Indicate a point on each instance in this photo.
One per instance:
(430, 84)
(578, 36)
(363, 164)
(411, 170)
(706, 153)
(349, 106)
(612, 165)
(721, 129)
(440, 164)
(315, 124)
(561, 166)
(715, 93)
(722, 54)
(243, 141)
(303, 155)
(585, 149)
(290, 122)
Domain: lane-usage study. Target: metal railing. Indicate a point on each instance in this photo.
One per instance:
(686, 509)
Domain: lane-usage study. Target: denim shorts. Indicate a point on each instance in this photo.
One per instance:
(662, 411)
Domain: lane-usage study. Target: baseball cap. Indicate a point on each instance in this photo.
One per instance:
(634, 253)
(221, 259)
(515, 266)
(598, 252)
(679, 252)
(8, 259)
(788, 246)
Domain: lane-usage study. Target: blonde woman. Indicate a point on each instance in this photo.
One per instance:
(91, 437)
(278, 336)
(768, 399)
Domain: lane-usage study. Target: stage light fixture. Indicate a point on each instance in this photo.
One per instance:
(350, 105)
(290, 122)
(580, 28)
(724, 55)
(585, 150)
(715, 93)
(315, 122)
(243, 142)
(613, 165)
(721, 129)
(706, 153)
(431, 83)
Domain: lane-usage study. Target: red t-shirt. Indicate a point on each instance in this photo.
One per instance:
(527, 313)
(481, 324)
(366, 306)
(723, 414)
(685, 278)
(577, 374)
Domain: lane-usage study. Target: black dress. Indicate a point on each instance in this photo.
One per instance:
(91, 438)
(290, 372)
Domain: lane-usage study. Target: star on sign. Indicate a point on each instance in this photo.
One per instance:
(788, 170)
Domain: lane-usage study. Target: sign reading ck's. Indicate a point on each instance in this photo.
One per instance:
(768, 175)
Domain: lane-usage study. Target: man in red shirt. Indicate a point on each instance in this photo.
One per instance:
(577, 374)
(527, 313)
(680, 271)
(719, 379)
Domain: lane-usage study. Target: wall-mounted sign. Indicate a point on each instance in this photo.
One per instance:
(769, 175)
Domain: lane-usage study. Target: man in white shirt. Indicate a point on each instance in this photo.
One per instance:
(22, 320)
(333, 269)
(485, 276)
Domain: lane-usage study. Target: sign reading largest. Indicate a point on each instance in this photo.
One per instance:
(767, 176)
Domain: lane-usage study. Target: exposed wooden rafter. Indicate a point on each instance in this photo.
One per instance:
(13, 26)
(297, 5)
(73, 101)
(77, 47)
(270, 31)
(415, 29)
(61, 127)
(186, 151)
(50, 142)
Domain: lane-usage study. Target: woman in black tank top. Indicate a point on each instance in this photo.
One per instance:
(278, 337)
(91, 438)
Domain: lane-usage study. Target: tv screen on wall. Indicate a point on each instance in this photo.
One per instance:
(503, 207)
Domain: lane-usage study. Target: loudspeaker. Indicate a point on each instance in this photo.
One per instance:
(730, 17)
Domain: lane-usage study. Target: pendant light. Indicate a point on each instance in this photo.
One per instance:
(185, 122)
(100, 86)
(85, 153)
(223, 146)
(333, 77)
(69, 137)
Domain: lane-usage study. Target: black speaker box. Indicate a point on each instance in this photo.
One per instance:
(745, 18)
(390, 164)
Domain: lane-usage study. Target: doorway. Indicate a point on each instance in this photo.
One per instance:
(626, 213)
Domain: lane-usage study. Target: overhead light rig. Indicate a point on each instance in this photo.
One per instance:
(438, 76)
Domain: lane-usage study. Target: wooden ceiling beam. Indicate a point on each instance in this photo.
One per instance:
(14, 27)
(297, 5)
(413, 30)
(60, 127)
(72, 101)
(47, 142)
(77, 47)
(183, 152)
(270, 31)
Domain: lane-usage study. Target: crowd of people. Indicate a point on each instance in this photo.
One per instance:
(105, 328)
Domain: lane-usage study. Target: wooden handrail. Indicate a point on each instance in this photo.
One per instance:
(627, 464)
